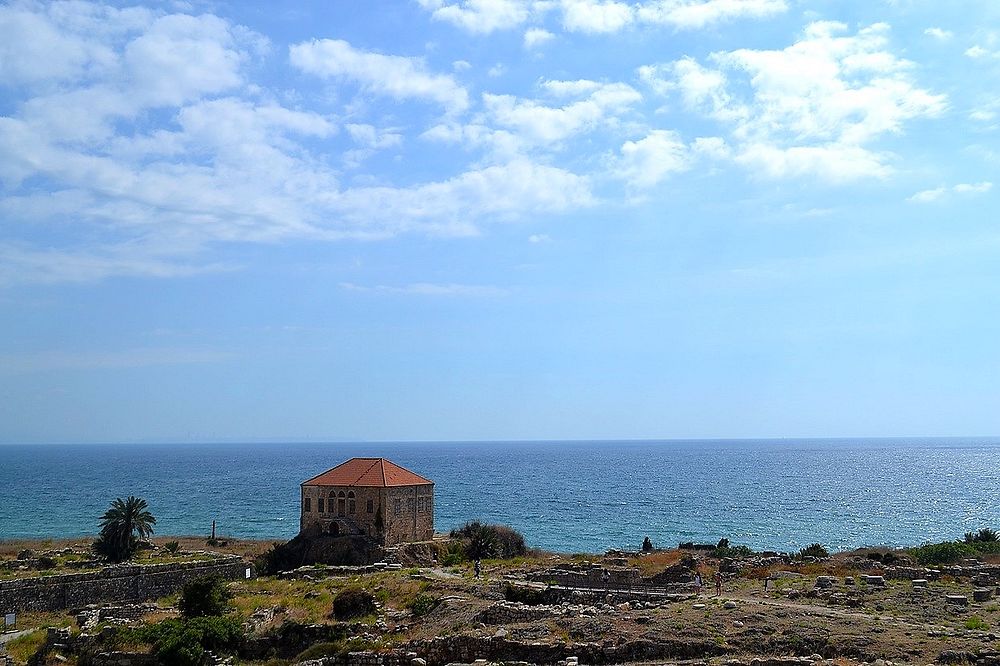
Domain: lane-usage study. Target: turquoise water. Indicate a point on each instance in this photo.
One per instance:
(564, 496)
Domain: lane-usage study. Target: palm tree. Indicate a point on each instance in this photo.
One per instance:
(120, 525)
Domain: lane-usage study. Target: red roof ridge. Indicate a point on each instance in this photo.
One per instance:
(356, 472)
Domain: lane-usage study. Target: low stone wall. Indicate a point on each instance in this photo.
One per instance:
(507, 612)
(467, 649)
(121, 583)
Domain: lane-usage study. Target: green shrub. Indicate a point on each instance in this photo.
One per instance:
(423, 604)
(183, 642)
(985, 535)
(732, 552)
(208, 595)
(814, 550)
(353, 602)
(318, 651)
(171, 546)
(942, 553)
(45, 562)
(481, 541)
(976, 622)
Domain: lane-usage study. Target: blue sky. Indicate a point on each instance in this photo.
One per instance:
(498, 219)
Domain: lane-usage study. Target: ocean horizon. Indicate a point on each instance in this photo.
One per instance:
(564, 496)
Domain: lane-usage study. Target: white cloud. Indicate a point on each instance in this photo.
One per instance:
(540, 123)
(451, 208)
(978, 51)
(809, 109)
(973, 188)
(447, 289)
(939, 34)
(941, 193)
(650, 160)
(596, 16)
(535, 37)
(461, 65)
(713, 147)
(480, 16)
(396, 76)
(496, 70)
(695, 14)
(537, 239)
(148, 162)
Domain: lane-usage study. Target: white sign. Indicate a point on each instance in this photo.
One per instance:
(248, 573)
(9, 619)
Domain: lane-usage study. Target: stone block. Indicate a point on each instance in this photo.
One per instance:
(982, 594)
(957, 599)
(919, 582)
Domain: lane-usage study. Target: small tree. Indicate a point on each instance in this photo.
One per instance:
(353, 602)
(814, 550)
(985, 535)
(208, 595)
(122, 526)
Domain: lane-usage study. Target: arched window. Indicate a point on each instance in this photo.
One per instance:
(341, 503)
(350, 502)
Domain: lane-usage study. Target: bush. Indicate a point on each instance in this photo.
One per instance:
(423, 604)
(183, 642)
(731, 552)
(985, 535)
(171, 546)
(318, 651)
(977, 623)
(814, 550)
(208, 595)
(45, 562)
(483, 541)
(942, 553)
(353, 602)
(454, 555)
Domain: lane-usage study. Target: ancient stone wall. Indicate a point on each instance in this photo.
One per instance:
(121, 583)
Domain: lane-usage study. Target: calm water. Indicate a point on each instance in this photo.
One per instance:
(564, 496)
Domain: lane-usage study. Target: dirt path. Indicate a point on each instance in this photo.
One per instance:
(827, 611)
(8, 637)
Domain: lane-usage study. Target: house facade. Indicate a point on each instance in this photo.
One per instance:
(369, 496)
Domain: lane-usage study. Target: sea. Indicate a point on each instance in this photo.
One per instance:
(567, 497)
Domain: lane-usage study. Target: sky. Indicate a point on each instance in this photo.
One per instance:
(498, 219)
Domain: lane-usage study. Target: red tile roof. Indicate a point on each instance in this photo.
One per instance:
(367, 472)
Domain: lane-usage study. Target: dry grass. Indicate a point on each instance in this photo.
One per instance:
(22, 648)
(656, 561)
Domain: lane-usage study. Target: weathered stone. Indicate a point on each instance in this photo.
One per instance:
(919, 582)
(957, 599)
(982, 594)
(729, 605)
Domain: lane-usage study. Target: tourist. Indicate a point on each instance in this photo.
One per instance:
(477, 567)
(605, 578)
(718, 583)
(698, 582)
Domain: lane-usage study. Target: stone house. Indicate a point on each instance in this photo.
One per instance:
(369, 496)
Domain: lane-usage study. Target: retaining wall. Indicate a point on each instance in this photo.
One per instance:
(121, 583)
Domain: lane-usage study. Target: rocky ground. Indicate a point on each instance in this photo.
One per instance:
(553, 609)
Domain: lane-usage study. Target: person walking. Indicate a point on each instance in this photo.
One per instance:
(718, 583)
(477, 567)
(698, 582)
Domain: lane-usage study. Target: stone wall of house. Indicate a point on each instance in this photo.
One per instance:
(407, 511)
(325, 509)
(409, 514)
(121, 583)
